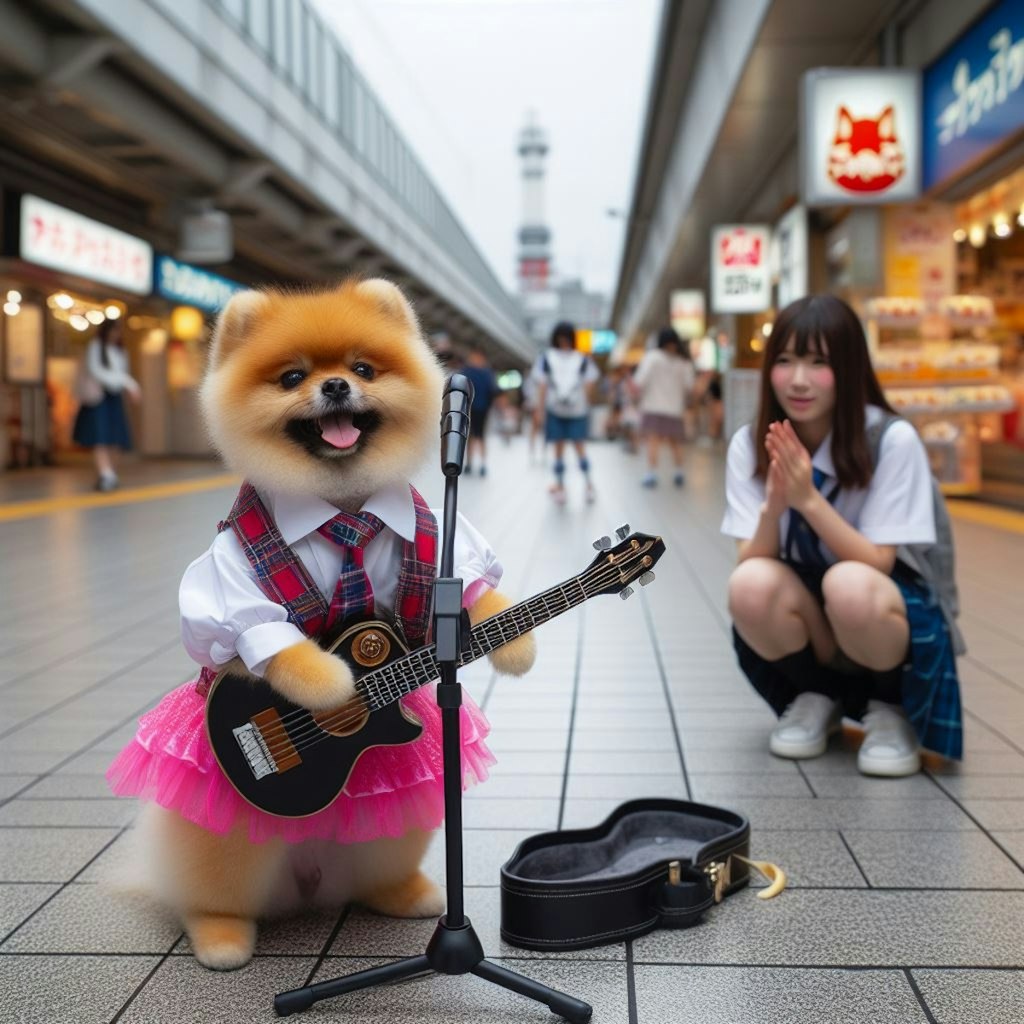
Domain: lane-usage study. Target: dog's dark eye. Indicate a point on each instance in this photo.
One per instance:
(365, 370)
(292, 379)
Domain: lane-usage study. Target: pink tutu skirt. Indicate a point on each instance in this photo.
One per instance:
(390, 790)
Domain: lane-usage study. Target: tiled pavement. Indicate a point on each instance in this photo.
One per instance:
(906, 901)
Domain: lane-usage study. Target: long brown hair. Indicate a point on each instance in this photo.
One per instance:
(103, 333)
(810, 322)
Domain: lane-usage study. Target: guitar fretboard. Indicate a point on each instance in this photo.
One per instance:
(385, 685)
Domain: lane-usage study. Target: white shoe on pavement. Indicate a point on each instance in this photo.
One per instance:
(890, 746)
(805, 726)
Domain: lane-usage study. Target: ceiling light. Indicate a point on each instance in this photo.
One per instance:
(12, 308)
(95, 316)
(63, 300)
(977, 235)
(79, 322)
(960, 235)
(1001, 226)
(112, 312)
(13, 296)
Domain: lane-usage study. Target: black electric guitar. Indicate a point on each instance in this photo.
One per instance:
(289, 761)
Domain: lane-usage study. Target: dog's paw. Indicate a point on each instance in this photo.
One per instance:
(311, 677)
(515, 658)
(417, 896)
(221, 942)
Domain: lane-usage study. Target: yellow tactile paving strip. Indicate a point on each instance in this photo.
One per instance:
(128, 496)
(987, 515)
(968, 511)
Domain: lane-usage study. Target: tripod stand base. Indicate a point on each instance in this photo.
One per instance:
(450, 951)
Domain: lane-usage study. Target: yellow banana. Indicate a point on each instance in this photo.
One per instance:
(772, 872)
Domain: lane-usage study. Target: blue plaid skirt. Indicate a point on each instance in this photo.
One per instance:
(929, 688)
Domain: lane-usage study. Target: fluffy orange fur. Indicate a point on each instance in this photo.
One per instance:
(221, 885)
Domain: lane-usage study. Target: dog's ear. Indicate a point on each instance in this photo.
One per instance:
(388, 298)
(234, 323)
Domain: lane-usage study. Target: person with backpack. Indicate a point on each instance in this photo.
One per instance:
(563, 376)
(843, 601)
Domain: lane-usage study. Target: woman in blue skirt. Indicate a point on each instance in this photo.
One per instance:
(102, 425)
(827, 620)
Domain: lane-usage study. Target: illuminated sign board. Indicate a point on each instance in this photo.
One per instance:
(61, 239)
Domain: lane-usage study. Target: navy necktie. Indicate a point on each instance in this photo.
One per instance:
(802, 543)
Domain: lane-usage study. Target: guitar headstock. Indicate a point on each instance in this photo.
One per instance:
(616, 567)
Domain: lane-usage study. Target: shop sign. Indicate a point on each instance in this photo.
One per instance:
(181, 282)
(55, 237)
(860, 136)
(974, 93)
(686, 313)
(740, 268)
(791, 248)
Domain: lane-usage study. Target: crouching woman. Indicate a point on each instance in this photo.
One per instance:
(827, 620)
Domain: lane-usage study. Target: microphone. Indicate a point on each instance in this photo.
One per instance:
(458, 396)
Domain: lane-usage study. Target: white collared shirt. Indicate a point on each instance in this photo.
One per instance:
(224, 612)
(895, 507)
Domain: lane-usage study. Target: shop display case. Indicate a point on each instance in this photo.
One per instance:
(941, 372)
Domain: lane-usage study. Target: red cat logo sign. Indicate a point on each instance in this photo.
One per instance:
(860, 136)
(866, 155)
(740, 272)
(741, 248)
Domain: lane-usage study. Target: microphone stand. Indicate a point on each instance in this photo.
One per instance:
(454, 948)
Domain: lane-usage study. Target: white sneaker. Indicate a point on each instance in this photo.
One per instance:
(890, 746)
(805, 726)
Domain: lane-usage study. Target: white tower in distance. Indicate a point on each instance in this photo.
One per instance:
(534, 236)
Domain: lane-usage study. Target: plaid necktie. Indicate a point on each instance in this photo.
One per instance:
(353, 596)
(801, 537)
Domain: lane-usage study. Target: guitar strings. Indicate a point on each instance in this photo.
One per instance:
(279, 741)
(344, 718)
(338, 719)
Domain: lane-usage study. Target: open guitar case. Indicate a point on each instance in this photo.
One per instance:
(653, 863)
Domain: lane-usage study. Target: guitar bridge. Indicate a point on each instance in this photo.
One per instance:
(254, 749)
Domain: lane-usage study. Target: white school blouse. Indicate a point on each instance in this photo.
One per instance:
(895, 507)
(224, 612)
(113, 377)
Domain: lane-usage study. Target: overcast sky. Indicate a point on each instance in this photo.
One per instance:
(460, 76)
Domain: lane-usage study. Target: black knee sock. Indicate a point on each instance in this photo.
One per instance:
(806, 673)
(888, 686)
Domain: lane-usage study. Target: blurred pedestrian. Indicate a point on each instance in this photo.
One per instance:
(664, 380)
(485, 391)
(564, 377)
(713, 401)
(531, 413)
(101, 423)
(827, 620)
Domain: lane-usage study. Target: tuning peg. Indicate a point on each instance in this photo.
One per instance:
(622, 532)
(602, 543)
(626, 593)
(645, 578)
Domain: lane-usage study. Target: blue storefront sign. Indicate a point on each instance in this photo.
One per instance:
(974, 93)
(192, 286)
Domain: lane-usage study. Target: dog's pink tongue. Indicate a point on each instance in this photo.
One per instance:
(340, 432)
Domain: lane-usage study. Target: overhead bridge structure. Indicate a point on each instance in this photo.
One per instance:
(145, 110)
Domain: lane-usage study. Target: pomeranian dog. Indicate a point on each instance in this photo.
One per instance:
(326, 397)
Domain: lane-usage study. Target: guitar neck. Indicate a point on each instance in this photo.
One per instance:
(386, 685)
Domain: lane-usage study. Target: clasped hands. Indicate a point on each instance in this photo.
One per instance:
(790, 481)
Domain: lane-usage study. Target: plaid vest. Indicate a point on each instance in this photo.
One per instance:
(281, 575)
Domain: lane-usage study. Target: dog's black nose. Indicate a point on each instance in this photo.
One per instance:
(335, 389)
